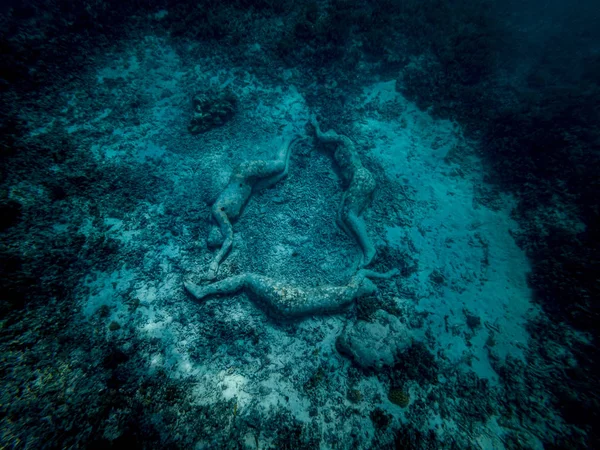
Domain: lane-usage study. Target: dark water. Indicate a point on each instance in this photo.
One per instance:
(328, 224)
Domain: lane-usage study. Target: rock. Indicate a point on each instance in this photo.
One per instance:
(377, 344)
(212, 108)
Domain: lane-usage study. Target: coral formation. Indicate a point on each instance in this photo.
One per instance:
(399, 397)
(354, 396)
(211, 109)
(283, 300)
(380, 418)
(358, 195)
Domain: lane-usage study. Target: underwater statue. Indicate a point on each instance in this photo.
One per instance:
(246, 178)
(282, 300)
(359, 193)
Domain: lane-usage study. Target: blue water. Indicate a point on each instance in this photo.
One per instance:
(186, 262)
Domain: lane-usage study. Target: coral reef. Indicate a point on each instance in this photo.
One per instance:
(399, 397)
(212, 109)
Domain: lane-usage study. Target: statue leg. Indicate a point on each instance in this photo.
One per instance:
(275, 170)
(267, 293)
(359, 231)
(329, 137)
(341, 216)
(227, 231)
(227, 286)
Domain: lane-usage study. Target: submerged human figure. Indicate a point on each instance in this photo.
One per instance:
(246, 177)
(359, 194)
(287, 301)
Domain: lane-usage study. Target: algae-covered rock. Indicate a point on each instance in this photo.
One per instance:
(375, 344)
(212, 109)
